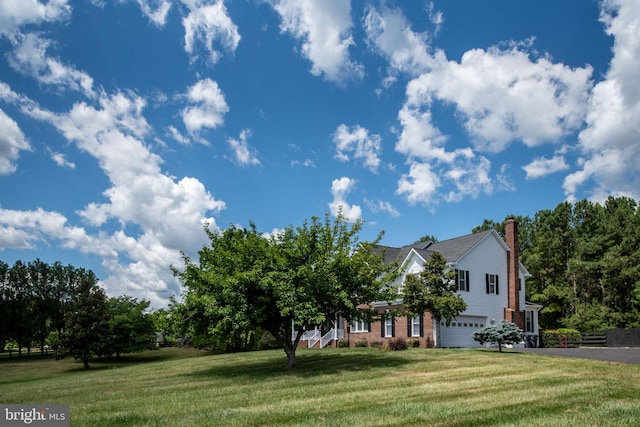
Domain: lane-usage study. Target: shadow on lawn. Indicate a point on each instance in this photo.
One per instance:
(310, 364)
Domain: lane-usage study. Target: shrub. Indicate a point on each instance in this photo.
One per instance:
(397, 344)
(361, 343)
(414, 343)
(375, 344)
(343, 343)
(268, 342)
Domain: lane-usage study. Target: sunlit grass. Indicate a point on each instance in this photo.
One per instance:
(334, 387)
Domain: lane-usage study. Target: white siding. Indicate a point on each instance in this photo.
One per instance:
(487, 257)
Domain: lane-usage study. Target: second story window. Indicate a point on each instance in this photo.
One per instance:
(492, 284)
(462, 280)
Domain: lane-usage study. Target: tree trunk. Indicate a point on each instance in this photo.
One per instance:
(85, 361)
(291, 356)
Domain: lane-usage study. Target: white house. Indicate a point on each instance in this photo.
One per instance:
(490, 278)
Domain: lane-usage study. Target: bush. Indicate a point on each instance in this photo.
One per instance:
(268, 342)
(375, 344)
(397, 344)
(361, 343)
(414, 343)
(343, 343)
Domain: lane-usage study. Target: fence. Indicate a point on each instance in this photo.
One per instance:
(610, 338)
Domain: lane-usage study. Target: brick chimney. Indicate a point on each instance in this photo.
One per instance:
(512, 313)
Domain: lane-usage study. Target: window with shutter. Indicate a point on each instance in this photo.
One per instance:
(462, 280)
(492, 283)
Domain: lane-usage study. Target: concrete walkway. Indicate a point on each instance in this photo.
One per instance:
(607, 354)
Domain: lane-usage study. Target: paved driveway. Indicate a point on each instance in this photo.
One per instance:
(607, 354)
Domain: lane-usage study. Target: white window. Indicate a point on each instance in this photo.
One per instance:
(388, 327)
(416, 323)
(462, 280)
(359, 326)
(492, 284)
(528, 321)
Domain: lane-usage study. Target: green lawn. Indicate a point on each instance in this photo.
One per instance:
(333, 387)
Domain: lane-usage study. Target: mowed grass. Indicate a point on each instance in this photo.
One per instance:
(333, 387)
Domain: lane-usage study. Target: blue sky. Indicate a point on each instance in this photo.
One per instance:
(126, 125)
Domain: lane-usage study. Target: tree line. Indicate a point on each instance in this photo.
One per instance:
(63, 308)
(584, 260)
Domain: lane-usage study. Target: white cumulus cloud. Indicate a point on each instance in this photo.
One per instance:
(208, 23)
(208, 106)
(609, 143)
(15, 13)
(340, 188)
(359, 143)
(243, 153)
(12, 141)
(324, 29)
(543, 166)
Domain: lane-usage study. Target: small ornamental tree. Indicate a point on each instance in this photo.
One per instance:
(502, 333)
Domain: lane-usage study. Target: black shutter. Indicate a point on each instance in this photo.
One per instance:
(422, 325)
(486, 276)
(383, 327)
(497, 289)
(393, 326)
(467, 277)
(368, 326)
(409, 326)
(457, 279)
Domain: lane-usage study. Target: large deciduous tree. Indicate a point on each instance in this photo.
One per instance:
(433, 290)
(130, 325)
(286, 283)
(86, 330)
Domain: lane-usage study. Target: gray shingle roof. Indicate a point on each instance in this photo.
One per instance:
(451, 249)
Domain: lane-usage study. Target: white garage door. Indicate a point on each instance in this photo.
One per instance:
(458, 334)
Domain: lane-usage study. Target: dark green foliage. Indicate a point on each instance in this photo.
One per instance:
(268, 342)
(86, 333)
(584, 259)
(303, 277)
(131, 328)
(503, 333)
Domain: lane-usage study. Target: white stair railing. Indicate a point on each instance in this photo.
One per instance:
(333, 334)
(314, 338)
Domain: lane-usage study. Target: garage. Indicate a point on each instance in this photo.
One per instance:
(458, 333)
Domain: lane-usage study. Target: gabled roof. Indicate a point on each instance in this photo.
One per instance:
(452, 249)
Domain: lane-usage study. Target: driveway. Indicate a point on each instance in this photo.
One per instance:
(607, 354)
